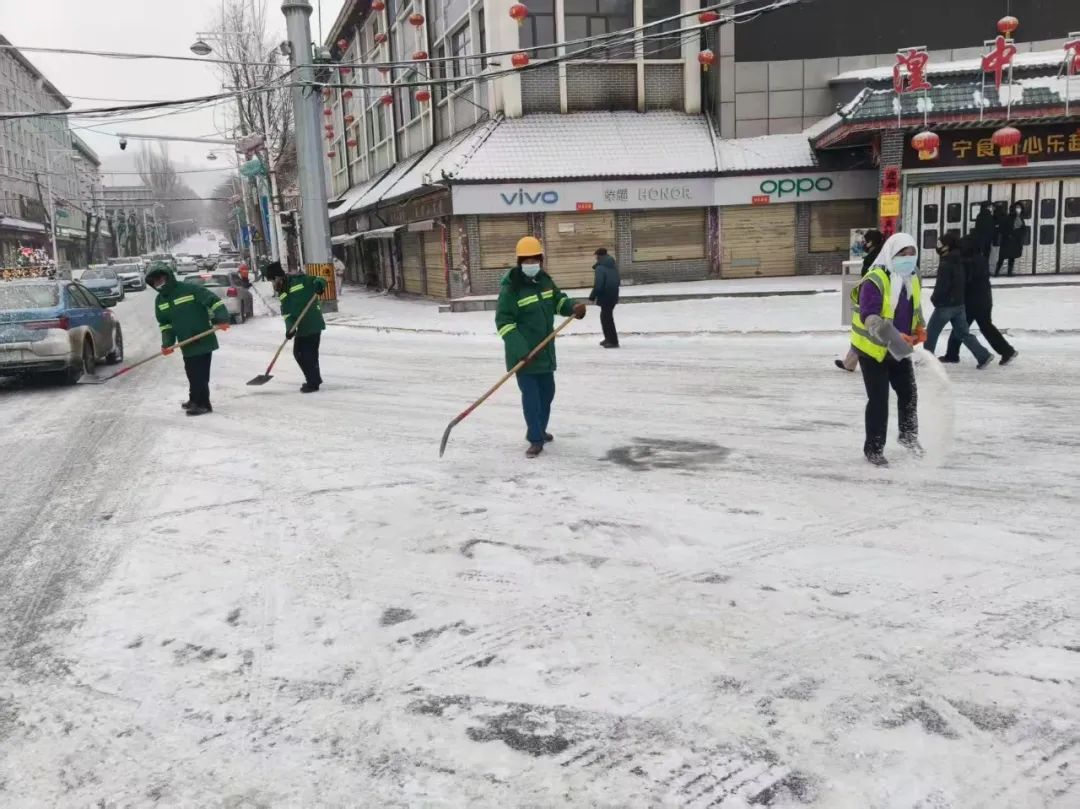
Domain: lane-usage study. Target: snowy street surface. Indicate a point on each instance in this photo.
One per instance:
(699, 596)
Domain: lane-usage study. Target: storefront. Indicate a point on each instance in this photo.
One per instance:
(944, 194)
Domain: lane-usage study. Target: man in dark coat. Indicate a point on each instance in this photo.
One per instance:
(978, 303)
(605, 293)
(984, 229)
(1011, 230)
(948, 300)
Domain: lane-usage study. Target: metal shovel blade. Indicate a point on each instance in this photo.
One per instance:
(445, 438)
(261, 379)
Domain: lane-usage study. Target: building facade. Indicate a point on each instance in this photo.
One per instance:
(622, 142)
(135, 220)
(38, 155)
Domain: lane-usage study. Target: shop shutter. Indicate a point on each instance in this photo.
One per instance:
(411, 261)
(570, 242)
(757, 240)
(831, 223)
(498, 240)
(434, 263)
(667, 235)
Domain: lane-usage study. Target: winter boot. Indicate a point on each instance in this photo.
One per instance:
(989, 359)
(949, 360)
(199, 410)
(910, 442)
(534, 450)
(548, 438)
(1009, 357)
(187, 405)
(877, 459)
(306, 388)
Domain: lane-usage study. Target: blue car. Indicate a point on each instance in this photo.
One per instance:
(55, 328)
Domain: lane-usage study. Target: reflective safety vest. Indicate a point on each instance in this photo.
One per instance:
(861, 339)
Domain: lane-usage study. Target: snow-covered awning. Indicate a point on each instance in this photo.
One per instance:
(765, 152)
(587, 145)
(14, 223)
(381, 233)
(344, 238)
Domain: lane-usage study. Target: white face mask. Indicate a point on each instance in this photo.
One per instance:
(904, 266)
(530, 270)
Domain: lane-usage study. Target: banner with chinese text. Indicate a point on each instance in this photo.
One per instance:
(973, 147)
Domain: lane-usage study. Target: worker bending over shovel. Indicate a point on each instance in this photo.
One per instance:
(184, 311)
(525, 316)
(306, 328)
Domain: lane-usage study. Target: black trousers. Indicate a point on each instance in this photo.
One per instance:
(198, 375)
(1001, 260)
(607, 323)
(878, 377)
(994, 337)
(306, 351)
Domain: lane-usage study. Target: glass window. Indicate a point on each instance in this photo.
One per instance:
(1047, 234)
(667, 47)
(460, 41)
(438, 71)
(481, 34)
(929, 214)
(929, 239)
(831, 223)
(1047, 208)
(590, 18)
(1072, 207)
(953, 212)
(1072, 234)
(539, 28)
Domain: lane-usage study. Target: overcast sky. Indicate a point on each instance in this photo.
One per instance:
(141, 26)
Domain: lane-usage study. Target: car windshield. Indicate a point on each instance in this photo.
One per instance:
(216, 280)
(29, 296)
(102, 272)
(126, 267)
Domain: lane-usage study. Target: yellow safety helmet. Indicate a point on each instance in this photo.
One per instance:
(529, 246)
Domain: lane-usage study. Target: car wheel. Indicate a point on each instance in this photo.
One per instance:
(85, 366)
(234, 319)
(116, 356)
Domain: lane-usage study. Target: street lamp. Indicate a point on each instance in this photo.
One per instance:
(200, 48)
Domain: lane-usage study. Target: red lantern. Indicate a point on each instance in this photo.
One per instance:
(377, 5)
(1007, 139)
(519, 11)
(1006, 26)
(380, 38)
(330, 135)
(331, 154)
(343, 43)
(383, 70)
(351, 143)
(349, 120)
(386, 99)
(419, 56)
(327, 112)
(328, 127)
(423, 95)
(706, 58)
(927, 143)
(707, 17)
(416, 19)
(346, 95)
(345, 69)
(519, 59)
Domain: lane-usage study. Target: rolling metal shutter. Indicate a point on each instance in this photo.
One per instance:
(571, 240)
(434, 263)
(667, 235)
(412, 262)
(498, 240)
(757, 241)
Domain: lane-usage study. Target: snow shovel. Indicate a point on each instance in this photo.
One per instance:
(102, 380)
(262, 379)
(532, 354)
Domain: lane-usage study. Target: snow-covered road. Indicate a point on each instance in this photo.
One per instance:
(699, 596)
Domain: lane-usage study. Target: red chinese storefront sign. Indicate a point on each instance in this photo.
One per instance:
(909, 72)
(974, 147)
(999, 58)
(1072, 52)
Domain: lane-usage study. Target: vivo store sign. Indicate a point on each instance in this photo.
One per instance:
(690, 192)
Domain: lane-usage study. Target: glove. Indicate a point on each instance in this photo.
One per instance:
(920, 335)
(290, 333)
(911, 341)
(221, 326)
(167, 350)
(579, 311)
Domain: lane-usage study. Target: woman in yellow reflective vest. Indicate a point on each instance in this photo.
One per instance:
(886, 325)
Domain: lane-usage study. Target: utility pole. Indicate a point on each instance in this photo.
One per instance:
(315, 233)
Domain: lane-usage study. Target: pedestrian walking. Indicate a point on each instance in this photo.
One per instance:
(294, 292)
(872, 241)
(528, 302)
(605, 293)
(885, 328)
(1011, 231)
(984, 229)
(978, 303)
(183, 311)
(948, 299)
(339, 274)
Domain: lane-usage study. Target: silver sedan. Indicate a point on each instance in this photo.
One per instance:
(230, 288)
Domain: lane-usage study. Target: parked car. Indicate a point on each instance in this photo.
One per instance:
(228, 286)
(132, 275)
(105, 283)
(55, 328)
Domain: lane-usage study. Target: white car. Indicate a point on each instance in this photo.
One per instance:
(131, 275)
(227, 285)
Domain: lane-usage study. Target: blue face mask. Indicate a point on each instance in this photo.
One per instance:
(530, 270)
(905, 265)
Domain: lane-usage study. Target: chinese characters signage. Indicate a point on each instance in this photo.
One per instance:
(909, 72)
(974, 147)
(999, 58)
